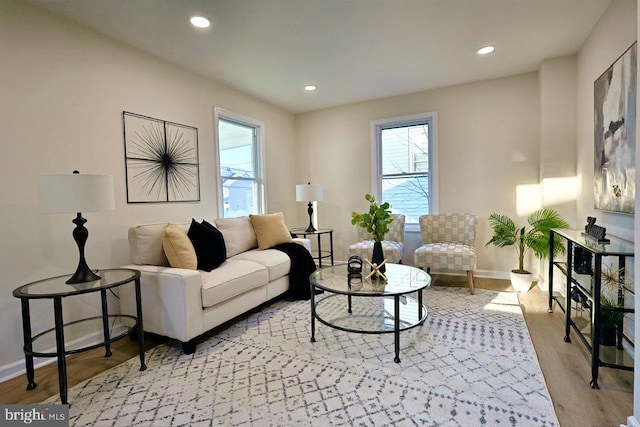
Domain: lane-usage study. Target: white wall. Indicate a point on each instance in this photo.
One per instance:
(488, 142)
(558, 134)
(63, 92)
(634, 419)
(557, 81)
(611, 37)
(558, 117)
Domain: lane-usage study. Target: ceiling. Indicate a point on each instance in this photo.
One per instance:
(353, 50)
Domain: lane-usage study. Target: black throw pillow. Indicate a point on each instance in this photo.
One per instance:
(208, 244)
(220, 246)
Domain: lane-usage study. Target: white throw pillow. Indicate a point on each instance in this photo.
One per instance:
(238, 234)
(145, 242)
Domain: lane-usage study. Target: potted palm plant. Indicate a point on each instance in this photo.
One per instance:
(534, 236)
(376, 221)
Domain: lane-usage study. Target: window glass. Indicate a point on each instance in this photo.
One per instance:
(239, 160)
(405, 165)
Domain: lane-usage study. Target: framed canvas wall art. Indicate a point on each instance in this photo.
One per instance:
(615, 135)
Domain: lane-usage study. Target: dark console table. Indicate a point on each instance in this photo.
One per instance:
(582, 302)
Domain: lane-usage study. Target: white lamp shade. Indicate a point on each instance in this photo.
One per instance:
(308, 192)
(76, 193)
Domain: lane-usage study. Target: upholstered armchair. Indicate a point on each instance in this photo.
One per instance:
(392, 246)
(449, 242)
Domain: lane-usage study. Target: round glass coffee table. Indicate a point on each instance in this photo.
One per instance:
(370, 306)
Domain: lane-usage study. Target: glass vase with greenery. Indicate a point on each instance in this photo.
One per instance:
(376, 222)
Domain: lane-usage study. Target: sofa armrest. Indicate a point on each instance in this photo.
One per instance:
(171, 301)
(304, 242)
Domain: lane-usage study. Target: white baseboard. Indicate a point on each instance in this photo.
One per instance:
(18, 368)
(491, 274)
(632, 421)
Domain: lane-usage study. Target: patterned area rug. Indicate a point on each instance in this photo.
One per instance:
(470, 364)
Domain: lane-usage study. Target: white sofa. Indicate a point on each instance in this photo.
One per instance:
(183, 304)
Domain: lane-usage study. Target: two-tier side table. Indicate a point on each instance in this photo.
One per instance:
(320, 254)
(56, 289)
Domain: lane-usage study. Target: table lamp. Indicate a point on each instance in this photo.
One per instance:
(65, 193)
(309, 193)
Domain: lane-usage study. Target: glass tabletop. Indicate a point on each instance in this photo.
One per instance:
(616, 246)
(302, 230)
(402, 279)
(56, 286)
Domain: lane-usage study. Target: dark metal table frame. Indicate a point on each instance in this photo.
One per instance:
(321, 255)
(77, 289)
(617, 248)
(374, 293)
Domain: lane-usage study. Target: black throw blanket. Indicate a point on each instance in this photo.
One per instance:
(302, 265)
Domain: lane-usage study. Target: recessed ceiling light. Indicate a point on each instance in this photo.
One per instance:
(310, 88)
(486, 50)
(200, 22)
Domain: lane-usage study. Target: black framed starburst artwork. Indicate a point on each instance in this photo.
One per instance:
(161, 160)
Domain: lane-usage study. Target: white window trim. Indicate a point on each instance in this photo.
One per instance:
(376, 164)
(218, 113)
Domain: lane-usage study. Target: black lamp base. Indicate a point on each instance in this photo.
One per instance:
(80, 235)
(83, 274)
(310, 228)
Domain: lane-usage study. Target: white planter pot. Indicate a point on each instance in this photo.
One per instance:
(521, 282)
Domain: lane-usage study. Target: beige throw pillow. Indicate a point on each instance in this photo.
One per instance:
(238, 234)
(178, 248)
(270, 230)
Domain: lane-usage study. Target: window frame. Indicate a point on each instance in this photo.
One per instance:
(376, 156)
(258, 160)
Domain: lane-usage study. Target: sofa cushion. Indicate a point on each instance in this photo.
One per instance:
(270, 230)
(238, 234)
(232, 278)
(145, 242)
(208, 244)
(277, 262)
(178, 248)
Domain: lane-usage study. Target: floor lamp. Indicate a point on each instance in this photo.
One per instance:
(309, 193)
(66, 193)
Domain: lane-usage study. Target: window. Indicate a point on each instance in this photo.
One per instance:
(240, 173)
(404, 166)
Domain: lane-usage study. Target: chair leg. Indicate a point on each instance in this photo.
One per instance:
(470, 278)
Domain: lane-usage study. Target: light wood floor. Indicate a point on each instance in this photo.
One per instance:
(566, 367)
